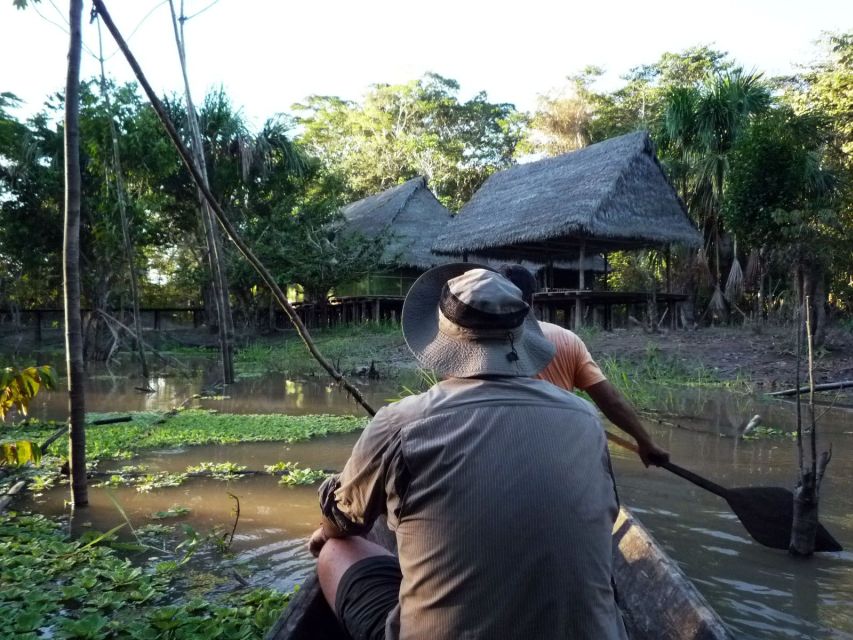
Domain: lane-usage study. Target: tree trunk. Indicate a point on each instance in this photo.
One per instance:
(208, 299)
(812, 286)
(211, 231)
(71, 266)
(805, 522)
(806, 495)
(819, 309)
(125, 226)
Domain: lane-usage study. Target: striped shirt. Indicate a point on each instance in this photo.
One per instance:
(501, 499)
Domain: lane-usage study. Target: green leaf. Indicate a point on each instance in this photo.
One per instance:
(28, 451)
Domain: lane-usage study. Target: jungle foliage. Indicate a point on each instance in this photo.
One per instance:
(763, 166)
(283, 184)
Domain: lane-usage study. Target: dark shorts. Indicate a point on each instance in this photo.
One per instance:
(366, 594)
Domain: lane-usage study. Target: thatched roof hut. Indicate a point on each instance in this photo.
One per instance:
(608, 196)
(410, 216)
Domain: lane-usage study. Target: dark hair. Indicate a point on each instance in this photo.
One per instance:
(521, 278)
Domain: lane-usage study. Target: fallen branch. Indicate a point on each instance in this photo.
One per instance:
(829, 386)
(64, 429)
(144, 344)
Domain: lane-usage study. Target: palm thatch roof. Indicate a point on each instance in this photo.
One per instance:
(608, 196)
(411, 218)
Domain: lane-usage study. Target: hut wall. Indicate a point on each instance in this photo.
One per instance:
(396, 282)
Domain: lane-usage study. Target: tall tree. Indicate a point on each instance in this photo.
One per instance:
(229, 228)
(826, 87)
(402, 131)
(214, 241)
(71, 243)
(565, 120)
(783, 198)
(578, 114)
(31, 196)
(123, 217)
(700, 125)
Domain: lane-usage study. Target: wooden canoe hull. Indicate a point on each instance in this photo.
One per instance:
(657, 600)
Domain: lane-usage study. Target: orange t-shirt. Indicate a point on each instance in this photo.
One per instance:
(572, 365)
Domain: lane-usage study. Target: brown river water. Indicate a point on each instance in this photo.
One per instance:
(759, 592)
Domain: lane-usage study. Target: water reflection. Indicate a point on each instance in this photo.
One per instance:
(270, 393)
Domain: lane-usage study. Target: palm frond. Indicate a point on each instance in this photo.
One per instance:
(703, 268)
(717, 306)
(735, 282)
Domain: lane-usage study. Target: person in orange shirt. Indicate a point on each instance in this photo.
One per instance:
(573, 368)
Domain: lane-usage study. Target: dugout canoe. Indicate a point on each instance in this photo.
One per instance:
(657, 600)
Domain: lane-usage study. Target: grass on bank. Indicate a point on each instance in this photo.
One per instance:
(349, 348)
(641, 379)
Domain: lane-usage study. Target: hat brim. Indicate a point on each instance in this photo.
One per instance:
(460, 358)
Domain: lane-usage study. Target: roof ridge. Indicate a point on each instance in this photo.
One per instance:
(421, 180)
(621, 176)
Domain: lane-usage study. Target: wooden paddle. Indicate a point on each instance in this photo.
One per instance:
(766, 513)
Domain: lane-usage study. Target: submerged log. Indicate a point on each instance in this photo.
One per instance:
(829, 386)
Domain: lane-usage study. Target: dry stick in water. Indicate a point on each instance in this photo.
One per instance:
(229, 229)
(113, 320)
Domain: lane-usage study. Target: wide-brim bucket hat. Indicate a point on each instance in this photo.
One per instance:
(466, 320)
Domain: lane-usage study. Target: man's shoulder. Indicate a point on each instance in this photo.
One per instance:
(417, 405)
(458, 393)
(556, 331)
(548, 392)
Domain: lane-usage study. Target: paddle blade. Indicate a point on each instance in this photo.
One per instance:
(767, 514)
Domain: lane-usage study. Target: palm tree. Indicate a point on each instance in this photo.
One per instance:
(700, 126)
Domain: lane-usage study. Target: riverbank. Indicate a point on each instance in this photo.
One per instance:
(762, 360)
(763, 357)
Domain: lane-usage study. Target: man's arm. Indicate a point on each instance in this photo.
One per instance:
(351, 501)
(619, 411)
(323, 534)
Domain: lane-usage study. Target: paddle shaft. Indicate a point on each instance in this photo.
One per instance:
(696, 479)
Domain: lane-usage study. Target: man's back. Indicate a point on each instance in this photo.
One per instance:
(504, 513)
(497, 485)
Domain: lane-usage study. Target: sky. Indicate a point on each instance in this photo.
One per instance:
(270, 54)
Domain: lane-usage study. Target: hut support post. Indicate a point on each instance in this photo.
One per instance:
(547, 311)
(581, 286)
(671, 306)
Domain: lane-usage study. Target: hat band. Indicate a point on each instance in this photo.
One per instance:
(464, 315)
(450, 328)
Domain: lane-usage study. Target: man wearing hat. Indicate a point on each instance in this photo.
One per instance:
(573, 367)
(497, 486)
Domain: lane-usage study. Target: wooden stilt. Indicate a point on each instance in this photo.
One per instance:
(581, 286)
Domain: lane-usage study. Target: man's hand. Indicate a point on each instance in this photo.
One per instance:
(651, 454)
(318, 539)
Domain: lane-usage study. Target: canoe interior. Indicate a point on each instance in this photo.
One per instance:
(657, 600)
